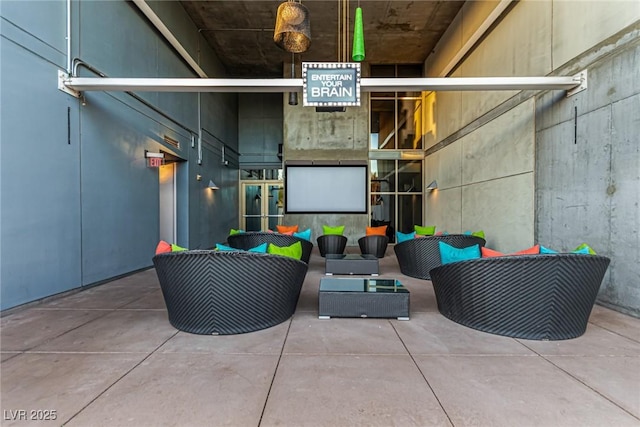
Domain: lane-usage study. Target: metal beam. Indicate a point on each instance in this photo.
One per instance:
(295, 85)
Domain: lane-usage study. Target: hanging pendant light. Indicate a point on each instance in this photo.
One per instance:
(293, 30)
(357, 53)
(293, 96)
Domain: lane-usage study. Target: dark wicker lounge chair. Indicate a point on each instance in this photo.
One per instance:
(251, 239)
(418, 256)
(374, 245)
(331, 244)
(225, 292)
(536, 297)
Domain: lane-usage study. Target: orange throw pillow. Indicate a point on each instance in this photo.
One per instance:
(377, 231)
(489, 253)
(287, 228)
(534, 250)
(163, 247)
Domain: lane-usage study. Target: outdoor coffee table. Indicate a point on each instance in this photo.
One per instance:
(351, 264)
(362, 297)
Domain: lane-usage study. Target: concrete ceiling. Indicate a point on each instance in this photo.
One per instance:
(396, 32)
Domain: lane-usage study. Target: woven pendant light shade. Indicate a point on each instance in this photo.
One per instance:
(293, 30)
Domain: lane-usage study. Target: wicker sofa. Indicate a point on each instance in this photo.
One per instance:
(251, 239)
(227, 292)
(418, 256)
(536, 297)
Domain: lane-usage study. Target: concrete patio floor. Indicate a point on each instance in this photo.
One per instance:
(107, 356)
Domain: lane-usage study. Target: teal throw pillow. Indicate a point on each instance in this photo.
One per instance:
(293, 251)
(425, 231)
(403, 237)
(583, 251)
(221, 247)
(544, 250)
(306, 234)
(582, 248)
(449, 254)
(338, 230)
(261, 249)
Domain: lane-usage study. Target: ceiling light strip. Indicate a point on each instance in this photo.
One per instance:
(293, 85)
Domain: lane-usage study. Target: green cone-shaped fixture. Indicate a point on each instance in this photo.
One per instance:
(358, 37)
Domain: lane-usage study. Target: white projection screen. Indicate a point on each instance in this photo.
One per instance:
(326, 188)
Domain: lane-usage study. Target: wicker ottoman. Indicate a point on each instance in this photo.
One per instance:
(351, 264)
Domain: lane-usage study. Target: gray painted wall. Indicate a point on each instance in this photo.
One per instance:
(78, 204)
(260, 129)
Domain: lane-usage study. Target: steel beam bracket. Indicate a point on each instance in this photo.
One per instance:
(62, 85)
(581, 81)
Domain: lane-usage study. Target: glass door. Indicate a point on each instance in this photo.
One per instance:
(262, 205)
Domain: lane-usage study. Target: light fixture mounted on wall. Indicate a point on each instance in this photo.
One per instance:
(293, 29)
(212, 185)
(432, 186)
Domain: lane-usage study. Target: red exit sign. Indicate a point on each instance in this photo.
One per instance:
(155, 162)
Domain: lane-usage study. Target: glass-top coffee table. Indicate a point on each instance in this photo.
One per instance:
(362, 297)
(351, 264)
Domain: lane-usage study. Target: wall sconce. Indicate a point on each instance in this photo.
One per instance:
(432, 186)
(212, 185)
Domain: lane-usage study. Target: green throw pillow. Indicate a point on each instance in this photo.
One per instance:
(234, 231)
(338, 230)
(584, 248)
(479, 233)
(425, 231)
(176, 248)
(293, 251)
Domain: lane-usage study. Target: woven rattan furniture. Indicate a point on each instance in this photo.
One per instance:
(418, 256)
(228, 292)
(251, 239)
(536, 297)
(360, 297)
(351, 264)
(374, 245)
(331, 244)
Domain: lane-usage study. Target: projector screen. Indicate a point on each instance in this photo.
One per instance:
(326, 188)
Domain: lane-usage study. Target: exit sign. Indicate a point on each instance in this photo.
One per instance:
(155, 162)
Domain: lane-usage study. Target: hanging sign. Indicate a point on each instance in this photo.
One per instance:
(330, 84)
(154, 160)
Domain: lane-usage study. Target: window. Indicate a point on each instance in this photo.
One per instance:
(396, 153)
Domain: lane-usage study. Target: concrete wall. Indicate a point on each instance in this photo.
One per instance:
(588, 166)
(78, 203)
(506, 162)
(309, 135)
